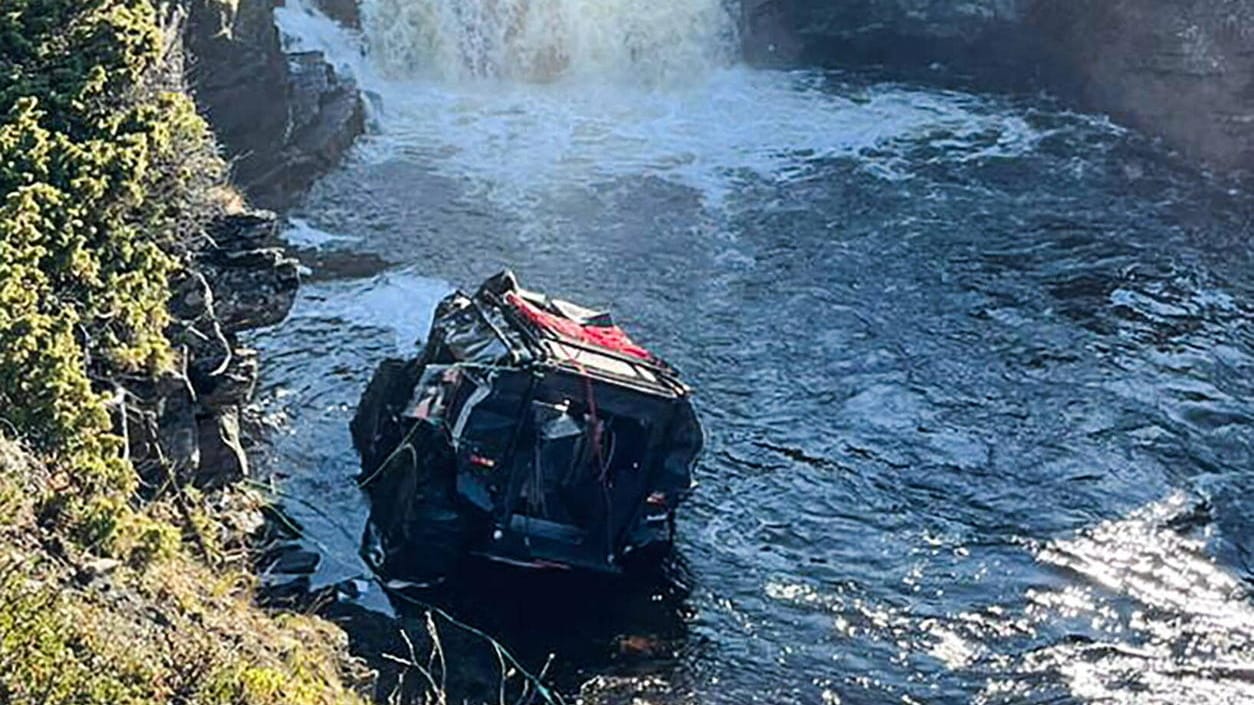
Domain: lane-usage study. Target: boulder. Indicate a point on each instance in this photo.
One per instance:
(234, 385)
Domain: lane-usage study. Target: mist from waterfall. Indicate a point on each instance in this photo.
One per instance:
(523, 102)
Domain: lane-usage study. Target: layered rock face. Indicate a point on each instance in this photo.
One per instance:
(1182, 70)
(183, 428)
(284, 119)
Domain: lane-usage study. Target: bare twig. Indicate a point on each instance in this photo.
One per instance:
(437, 651)
(436, 692)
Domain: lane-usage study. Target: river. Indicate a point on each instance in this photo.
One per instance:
(977, 371)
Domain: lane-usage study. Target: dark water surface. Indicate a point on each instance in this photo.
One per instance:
(978, 386)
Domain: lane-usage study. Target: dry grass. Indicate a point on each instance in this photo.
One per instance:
(78, 629)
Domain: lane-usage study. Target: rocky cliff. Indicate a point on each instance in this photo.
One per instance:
(127, 266)
(184, 427)
(283, 118)
(975, 35)
(1182, 70)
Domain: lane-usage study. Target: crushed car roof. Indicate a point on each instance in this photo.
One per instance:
(545, 330)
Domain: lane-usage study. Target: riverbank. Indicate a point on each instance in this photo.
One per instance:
(128, 268)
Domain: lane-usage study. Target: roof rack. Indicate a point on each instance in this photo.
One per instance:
(652, 375)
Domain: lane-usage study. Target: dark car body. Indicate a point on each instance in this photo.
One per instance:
(530, 431)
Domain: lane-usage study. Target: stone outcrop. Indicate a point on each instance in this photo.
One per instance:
(284, 119)
(770, 32)
(183, 428)
(1182, 70)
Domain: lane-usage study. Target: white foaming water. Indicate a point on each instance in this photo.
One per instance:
(608, 115)
(300, 233)
(519, 140)
(541, 40)
(400, 301)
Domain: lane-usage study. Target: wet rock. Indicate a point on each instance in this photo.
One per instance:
(283, 120)
(346, 12)
(239, 77)
(285, 569)
(159, 418)
(246, 230)
(279, 525)
(770, 33)
(1182, 70)
(283, 591)
(984, 36)
(254, 288)
(244, 280)
(326, 116)
(292, 560)
(197, 331)
(234, 385)
(184, 426)
(640, 646)
(254, 282)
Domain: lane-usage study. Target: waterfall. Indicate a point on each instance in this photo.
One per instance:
(520, 101)
(543, 40)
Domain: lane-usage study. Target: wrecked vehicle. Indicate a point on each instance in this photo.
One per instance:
(530, 431)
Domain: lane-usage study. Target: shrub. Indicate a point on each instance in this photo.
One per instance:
(103, 177)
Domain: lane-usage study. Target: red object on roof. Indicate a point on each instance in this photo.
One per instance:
(608, 337)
